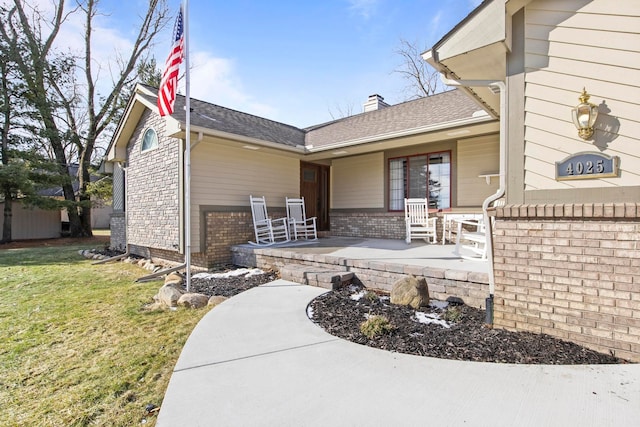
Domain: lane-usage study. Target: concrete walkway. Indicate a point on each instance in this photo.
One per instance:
(257, 360)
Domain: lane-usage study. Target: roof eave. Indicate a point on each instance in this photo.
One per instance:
(403, 133)
(178, 131)
(476, 49)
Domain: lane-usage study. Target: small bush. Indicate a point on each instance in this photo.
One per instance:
(371, 296)
(453, 314)
(375, 326)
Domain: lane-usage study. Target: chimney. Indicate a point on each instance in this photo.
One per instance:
(375, 102)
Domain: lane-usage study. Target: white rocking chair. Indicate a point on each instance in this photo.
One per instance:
(472, 238)
(417, 221)
(268, 231)
(300, 225)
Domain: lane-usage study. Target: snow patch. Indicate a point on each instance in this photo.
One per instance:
(429, 318)
(439, 304)
(358, 296)
(246, 272)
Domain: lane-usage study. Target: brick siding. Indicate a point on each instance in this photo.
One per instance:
(373, 225)
(571, 271)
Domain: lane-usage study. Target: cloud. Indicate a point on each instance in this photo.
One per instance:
(364, 8)
(215, 80)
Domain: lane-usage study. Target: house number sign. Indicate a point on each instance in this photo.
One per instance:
(587, 165)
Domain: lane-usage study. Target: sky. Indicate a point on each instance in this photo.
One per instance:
(299, 62)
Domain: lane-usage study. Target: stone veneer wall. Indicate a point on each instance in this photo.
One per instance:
(571, 271)
(152, 189)
(117, 225)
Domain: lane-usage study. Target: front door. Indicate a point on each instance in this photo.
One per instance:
(314, 187)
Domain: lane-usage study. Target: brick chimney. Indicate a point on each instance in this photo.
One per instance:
(375, 102)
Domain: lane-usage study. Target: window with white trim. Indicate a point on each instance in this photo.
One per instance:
(420, 176)
(149, 140)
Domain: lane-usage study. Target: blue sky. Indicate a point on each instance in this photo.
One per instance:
(297, 61)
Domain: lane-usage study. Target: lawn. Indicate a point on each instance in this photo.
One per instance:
(77, 347)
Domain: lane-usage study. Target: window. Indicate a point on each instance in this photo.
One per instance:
(424, 175)
(149, 140)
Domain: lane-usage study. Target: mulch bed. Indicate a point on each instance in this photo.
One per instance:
(230, 286)
(467, 338)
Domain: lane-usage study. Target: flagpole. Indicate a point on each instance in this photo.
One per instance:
(187, 155)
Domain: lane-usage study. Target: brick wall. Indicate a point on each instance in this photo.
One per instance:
(224, 229)
(571, 271)
(374, 225)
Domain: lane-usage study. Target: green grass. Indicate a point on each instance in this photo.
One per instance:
(76, 347)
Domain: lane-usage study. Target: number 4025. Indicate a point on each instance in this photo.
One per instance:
(580, 168)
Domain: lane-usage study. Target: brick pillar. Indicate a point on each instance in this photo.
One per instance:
(570, 271)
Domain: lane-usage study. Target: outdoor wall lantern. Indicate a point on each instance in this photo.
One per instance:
(584, 116)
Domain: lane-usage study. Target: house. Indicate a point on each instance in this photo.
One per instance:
(37, 223)
(565, 248)
(354, 172)
(32, 223)
(566, 258)
(100, 212)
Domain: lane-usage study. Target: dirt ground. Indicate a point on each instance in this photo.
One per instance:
(63, 241)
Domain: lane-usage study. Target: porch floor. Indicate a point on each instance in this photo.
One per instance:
(377, 263)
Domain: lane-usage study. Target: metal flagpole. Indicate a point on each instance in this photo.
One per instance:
(187, 155)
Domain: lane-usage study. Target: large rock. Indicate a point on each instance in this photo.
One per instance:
(173, 279)
(410, 291)
(168, 295)
(193, 300)
(215, 300)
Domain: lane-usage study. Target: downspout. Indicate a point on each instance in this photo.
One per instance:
(126, 244)
(499, 85)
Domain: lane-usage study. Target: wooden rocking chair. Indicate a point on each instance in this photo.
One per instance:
(268, 231)
(417, 221)
(300, 225)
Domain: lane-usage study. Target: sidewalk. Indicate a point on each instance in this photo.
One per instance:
(257, 360)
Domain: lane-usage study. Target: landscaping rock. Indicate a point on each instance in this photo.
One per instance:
(215, 300)
(168, 295)
(173, 279)
(155, 306)
(410, 291)
(193, 300)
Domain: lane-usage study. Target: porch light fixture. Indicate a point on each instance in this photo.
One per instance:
(584, 116)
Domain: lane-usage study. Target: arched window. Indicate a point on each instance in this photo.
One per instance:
(149, 140)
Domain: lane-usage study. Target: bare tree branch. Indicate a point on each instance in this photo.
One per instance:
(422, 80)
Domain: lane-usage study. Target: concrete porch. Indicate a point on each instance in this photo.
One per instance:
(376, 263)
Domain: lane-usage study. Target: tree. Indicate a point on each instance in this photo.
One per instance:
(422, 79)
(71, 114)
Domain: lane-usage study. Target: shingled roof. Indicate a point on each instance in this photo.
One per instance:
(442, 108)
(445, 107)
(215, 117)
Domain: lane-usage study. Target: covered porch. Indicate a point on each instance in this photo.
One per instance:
(376, 263)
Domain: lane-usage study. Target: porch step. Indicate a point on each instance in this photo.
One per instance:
(315, 276)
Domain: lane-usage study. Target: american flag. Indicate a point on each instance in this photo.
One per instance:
(169, 82)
